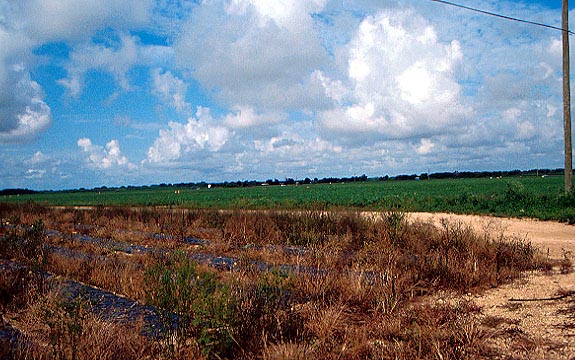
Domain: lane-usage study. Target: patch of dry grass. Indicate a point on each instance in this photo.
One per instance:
(55, 329)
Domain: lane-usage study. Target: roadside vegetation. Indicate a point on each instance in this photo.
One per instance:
(245, 284)
(539, 197)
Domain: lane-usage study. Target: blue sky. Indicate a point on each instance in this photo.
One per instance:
(137, 92)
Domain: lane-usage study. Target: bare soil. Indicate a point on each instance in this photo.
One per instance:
(532, 318)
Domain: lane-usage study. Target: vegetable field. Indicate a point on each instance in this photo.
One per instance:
(539, 197)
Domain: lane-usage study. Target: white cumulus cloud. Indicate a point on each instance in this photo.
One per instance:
(262, 54)
(23, 112)
(170, 89)
(401, 81)
(104, 158)
(38, 158)
(200, 133)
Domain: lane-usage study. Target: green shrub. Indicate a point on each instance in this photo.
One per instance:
(193, 305)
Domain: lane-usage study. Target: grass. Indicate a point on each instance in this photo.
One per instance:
(366, 289)
(58, 329)
(526, 196)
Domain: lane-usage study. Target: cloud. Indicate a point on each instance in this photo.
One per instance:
(294, 145)
(246, 117)
(509, 65)
(199, 133)
(170, 89)
(289, 14)
(106, 158)
(35, 173)
(76, 20)
(38, 164)
(116, 58)
(27, 24)
(23, 112)
(262, 54)
(38, 158)
(400, 81)
(292, 152)
(425, 147)
(294, 87)
(391, 87)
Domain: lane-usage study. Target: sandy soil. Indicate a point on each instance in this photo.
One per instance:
(533, 318)
(529, 320)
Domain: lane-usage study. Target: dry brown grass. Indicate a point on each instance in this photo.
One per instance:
(53, 329)
(114, 273)
(361, 292)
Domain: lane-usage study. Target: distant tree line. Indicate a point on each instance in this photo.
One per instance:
(17, 192)
(325, 180)
(364, 178)
(483, 174)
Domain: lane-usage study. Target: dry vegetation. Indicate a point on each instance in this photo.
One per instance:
(259, 284)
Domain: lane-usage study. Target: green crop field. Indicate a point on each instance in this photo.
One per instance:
(528, 196)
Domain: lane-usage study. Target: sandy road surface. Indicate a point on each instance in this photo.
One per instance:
(531, 328)
(549, 236)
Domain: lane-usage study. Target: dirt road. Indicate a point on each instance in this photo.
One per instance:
(549, 236)
(528, 319)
